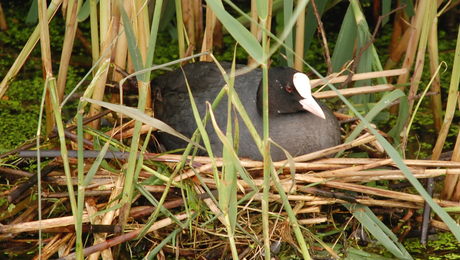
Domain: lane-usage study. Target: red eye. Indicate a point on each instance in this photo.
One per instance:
(289, 89)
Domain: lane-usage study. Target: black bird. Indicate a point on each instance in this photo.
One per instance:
(298, 122)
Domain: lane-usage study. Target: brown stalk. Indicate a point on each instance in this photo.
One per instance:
(51, 248)
(311, 221)
(299, 41)
(335, 149)
(111, 215)
(409, 215)
(360, 76)
(269, 22)
(253, 27)
(436, 104)
(338, 173)
(353, 91)
(3, 24)
(397, 31)
(456, 193)
(120, 53)
(315, 200)
(434, 223)
(198, 15)
(371, 190)
(99, 90)
(429, 13)
(188, 19)
(92, 210)
(408, 162)
(451, 186)
(12, 173)
(92, 193)
(397, 175)
(208, 34)
(416, 23)
(69, 38)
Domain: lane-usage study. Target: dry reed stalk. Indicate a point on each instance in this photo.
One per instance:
(243, 185)
(88, 193)
(69, 39)
(46, 223)
(111, 215)
(393, 176)
(269, 21)
(253, 27)
(456, 194)
(255, 166)
(61, 180)
(416, 23)
(92, 210)
(389, 203)
(14, 173)
(323, 201)
(311, 221)
(69, 246)
(277, 198)
(208, 34)
(140, 28)
(340, 172)
(3, 24)
(354, 91)
(121, 51)
(451, 185)
(429, 15)
(99, 89)
(436, 103)
(360, 76)
(313, 209)
(29, 214)
(53, 246)
(313, 200)
(434, 223)
(189, 20)
(299, 41)
(305, 178)
(397, 30)
(408, 162)
(388, 174)
(366, 138)
(129, 133)
(198, 16)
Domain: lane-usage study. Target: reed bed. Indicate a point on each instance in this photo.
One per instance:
(103, 195)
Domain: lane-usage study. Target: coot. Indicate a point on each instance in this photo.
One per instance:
(291, 126)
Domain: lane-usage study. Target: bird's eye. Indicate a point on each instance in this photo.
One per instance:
(288, 88)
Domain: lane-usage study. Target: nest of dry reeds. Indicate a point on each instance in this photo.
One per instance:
(190, 222)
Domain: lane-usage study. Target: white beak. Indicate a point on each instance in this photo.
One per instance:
(302, 84)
